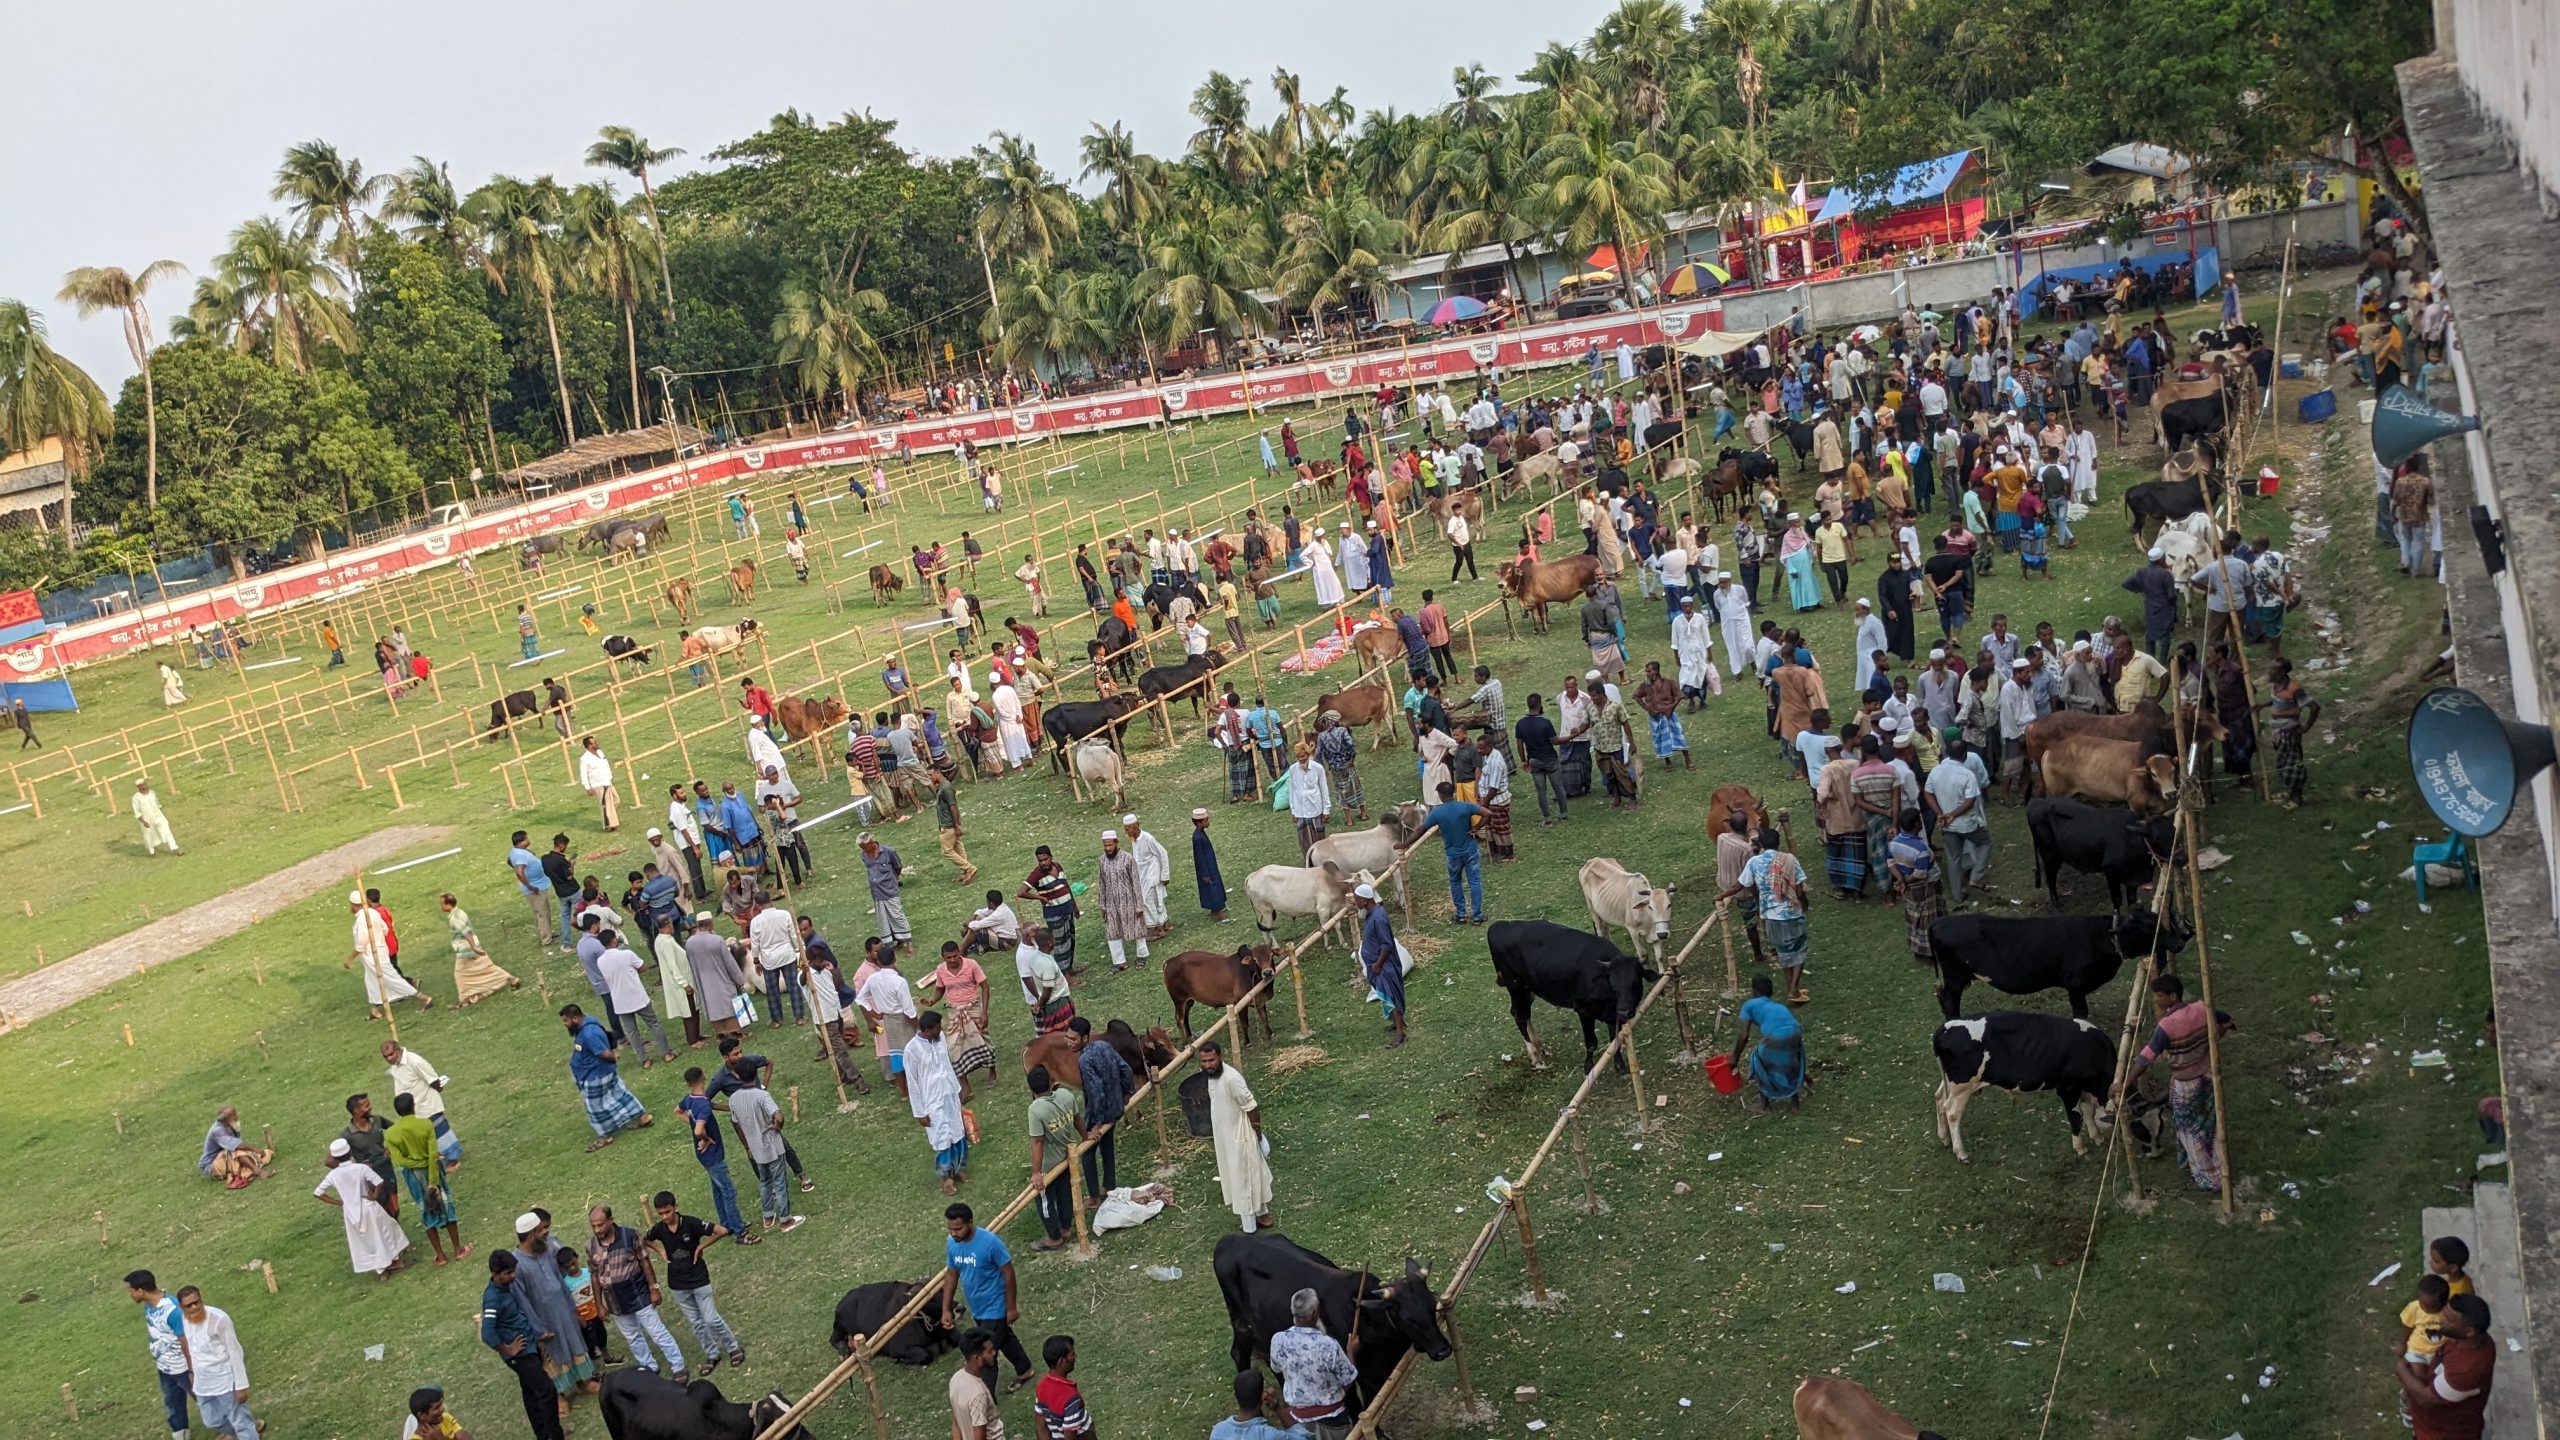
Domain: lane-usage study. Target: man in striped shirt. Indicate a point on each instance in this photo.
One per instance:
(1055, 1401)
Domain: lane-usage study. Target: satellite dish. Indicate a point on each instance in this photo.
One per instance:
(2470, 761)
(2404, 424)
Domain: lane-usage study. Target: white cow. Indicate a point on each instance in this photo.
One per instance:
(725, 638)
(1374, 849)
(1098, 765)
(1319, 891)
(1549, 467)
(1622, 898)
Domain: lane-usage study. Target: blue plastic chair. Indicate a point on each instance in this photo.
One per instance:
(2452, 850)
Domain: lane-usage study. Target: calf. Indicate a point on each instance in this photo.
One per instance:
(1258, 1273)
(1098, 765)
(517, 704)
(1320, 891)
(679, 593)
(1147, 1054)
(865, 1308)
(1620, 897)
(637, 1405)
(1726, 799)
(742, 581)
(802, 717)
(1535, 960)
(2073, 953)
(1828, 1408)
(2125, 847)
(2020, 1052)
(885, 582)
(1209, 978)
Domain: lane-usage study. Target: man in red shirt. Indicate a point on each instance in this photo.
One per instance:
(2448, 1393)
(757, 699)
(1056, 1402)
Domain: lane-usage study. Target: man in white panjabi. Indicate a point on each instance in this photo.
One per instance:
(1321, 574)
(1733, 617)
(155, 824)
(1870, 639)
(933, 1097)
(1235, 1125)
(1155, 875)
(1693, 641)
(595, 776)
(371, 953)
(762, 750)
(1354, 556)
(1009, 727)
(374, 1240)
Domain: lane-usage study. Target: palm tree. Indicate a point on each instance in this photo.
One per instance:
(1481, 184)
(1865, 27)
(1052, 313)
(1641, 40)
(43, 394)
(598, 222)
(217, 313)
(1477, 106)
(821, 337)
(1337, 255)
(422, 194)
(1131, 197)
(1598, 190)
(319, 184)
(1556, 68)
(274, 285)
(522, 220)
(1199, 278)
(1021, 206)
(1382, 156)
(620, 147)
(1226, 138)
(93, 288)
(1748, 28)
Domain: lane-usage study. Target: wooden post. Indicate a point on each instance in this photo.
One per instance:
(1075, 1200)
(70, 1404)
(1635, 1072)
(1582, 1161)
(1732, 975)
(871, 1383)
(1529, 1247)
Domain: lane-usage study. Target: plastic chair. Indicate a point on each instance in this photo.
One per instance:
(2452, 850)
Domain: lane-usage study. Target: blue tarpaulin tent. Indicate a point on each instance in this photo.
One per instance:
(1909, 185)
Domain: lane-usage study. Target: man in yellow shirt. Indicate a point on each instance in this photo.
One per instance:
(1832, 547)
(429, 1420)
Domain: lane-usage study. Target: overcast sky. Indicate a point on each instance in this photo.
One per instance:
(152, 141)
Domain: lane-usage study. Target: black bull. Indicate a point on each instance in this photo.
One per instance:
(1073, 720)
(1258, 1273)
(518, 704)
(1574, 969)
(866, 1308)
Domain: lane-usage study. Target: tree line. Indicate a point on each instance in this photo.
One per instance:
(389, 332)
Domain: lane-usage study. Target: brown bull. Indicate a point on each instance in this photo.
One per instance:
(1728, 798)
(1322, 474)
(680, 595)
(2110, 772)
(1536, 584)
(742, 580)
(1833, 1409)
(1147, 1054)
(1362, 705)
(1207, 977)
(885, 582)
(801, 718)
(2146, 723)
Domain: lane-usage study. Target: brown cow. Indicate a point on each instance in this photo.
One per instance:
(1322, 474)
(805, 717)
(742, 580)
(1470, 502)
(1537, 584)
(2146, 722)
(1834, 1409)
(1362, 705)
(1146, 1054)
(680, 595)
(1728, 798)
(2110, 772)
(1209, 978)
(1377, 645)
(885, 582)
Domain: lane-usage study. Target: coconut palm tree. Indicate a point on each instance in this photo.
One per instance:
(1201, 271)
(44, 395)
(1556, 68)
(1040, 313)
(318, 184)
(1382, 156)
(604, 239)
(522, 222)
(93, 288)
(273, 285)
(1022, 209)
(1749, 29)
(822, 337)
(1337, 254)
(216, 313)
(1598, 190)
(1226, 139)
(1477, 106)
(422, 195)
(1132, 196)
(619, 147)
(1481, 185)
(1642, 42)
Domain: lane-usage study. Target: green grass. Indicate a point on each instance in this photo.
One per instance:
(1377, 1154)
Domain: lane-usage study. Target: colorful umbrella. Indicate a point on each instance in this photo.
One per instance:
(1696, 278)
(1453, 309)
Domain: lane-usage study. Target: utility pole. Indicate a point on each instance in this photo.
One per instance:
(675, 432)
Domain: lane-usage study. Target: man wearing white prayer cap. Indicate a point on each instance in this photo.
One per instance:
(1155, 875)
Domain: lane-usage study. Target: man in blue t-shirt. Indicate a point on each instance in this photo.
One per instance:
(713, 1153)
(534, 885)
(1452, 818)
(166, 1332)
(982, 1273)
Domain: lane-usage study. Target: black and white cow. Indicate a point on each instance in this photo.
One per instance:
(865, 1308)
(638, 1405)
(2107, 840)
(1258, 1273)
(2019, 1051)
(2074, 953)
(1574, 969)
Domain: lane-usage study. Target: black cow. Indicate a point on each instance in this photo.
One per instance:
(1258, 1273)
(623, 647)
(1190, 678)
(1756, 465)
(2107, 840)
(865, 1308)
(517, 704)
(2074, 953)
(1659, 434)
(1116, 645)
(2158, 502)
(1069, 721)
(1566, 967)
(637, 1405)
(1799, 437)
(2019, 1051)
(2185, 420)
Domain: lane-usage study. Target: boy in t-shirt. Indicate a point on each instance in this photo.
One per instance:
(2420, 1316)
(680, 1240)
(2446, 1255)
(1055, 1401)
(580, 1282)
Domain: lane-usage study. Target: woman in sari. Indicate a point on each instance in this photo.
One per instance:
(1795, 556)
(475, 975)
(958, 988)
(1777, 1062)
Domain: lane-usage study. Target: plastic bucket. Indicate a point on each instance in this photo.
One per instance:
(1720, 1074)
(2290, 367)
(2317, 406)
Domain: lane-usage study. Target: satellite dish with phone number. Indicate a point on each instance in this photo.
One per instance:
(2470, 761)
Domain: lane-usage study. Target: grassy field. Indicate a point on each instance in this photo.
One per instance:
(1683, 1312)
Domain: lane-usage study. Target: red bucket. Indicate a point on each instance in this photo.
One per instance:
(1720, 1075)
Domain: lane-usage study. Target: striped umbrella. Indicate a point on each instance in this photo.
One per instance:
(1696, 278)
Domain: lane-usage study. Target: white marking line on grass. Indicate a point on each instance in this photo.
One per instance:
(1063, 469)
(830, 815)
(928, 625)
(14, 809)
(858, 549)
(563, 590)
(271, 664)
(530, 659)
(421, 860)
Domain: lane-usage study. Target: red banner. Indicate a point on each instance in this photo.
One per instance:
(18, 607)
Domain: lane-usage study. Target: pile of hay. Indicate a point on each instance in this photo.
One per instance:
(1294, 1058)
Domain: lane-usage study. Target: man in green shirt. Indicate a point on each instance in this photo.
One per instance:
(1057, 1123)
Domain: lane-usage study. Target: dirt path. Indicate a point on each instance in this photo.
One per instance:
(174, 937)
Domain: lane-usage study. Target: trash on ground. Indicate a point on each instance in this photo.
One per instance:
(1947, 1281)
(1851, 1288)
(2426, 1059)
(1162, 1272)
(2387, 1272)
